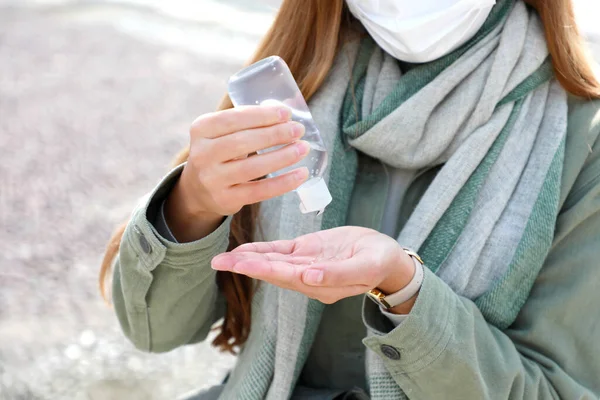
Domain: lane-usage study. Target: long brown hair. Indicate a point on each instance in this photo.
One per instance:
(306, 34)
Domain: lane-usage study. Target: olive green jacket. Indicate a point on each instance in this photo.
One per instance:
(165, 296)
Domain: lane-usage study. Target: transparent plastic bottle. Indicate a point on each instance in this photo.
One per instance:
(270, 81)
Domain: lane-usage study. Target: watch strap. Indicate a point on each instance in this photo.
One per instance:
(408, 291)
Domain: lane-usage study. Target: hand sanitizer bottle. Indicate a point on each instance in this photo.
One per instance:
(269, 82)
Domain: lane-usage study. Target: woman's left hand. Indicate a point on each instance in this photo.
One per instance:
(327, 265)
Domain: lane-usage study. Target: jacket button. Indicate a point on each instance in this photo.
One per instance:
(144, 244)
(390, 352)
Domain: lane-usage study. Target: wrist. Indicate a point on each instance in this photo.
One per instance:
(186, 221)
(179, 202)
(401, 272)
(184, 194)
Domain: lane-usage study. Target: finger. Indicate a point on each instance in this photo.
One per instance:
(226, 261)
(242, 171)
(279, 273)
(265, 189)
(213, 125)
(282, 274)
(356, 270)
(277, 246)
(240, 144)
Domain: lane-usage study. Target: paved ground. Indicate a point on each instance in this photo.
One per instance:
(95, 99)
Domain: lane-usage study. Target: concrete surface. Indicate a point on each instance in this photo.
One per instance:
(95, 99)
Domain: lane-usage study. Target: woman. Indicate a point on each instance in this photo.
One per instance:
(466, 130)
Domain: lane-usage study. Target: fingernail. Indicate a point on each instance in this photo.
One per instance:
(285, 114)
(313, 277)
(297, 130)
(302, 148)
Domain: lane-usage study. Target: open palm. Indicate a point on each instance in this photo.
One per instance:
(326, 265)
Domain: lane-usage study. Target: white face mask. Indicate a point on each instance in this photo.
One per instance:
(424, 30)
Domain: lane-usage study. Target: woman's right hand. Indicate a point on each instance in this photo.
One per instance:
(219, 177)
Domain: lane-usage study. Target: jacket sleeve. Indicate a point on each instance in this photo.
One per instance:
(446, 349)
(164, 293)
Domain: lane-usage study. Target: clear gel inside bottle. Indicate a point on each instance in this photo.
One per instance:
(270, 82)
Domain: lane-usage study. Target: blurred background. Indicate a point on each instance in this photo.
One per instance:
(96, 96)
